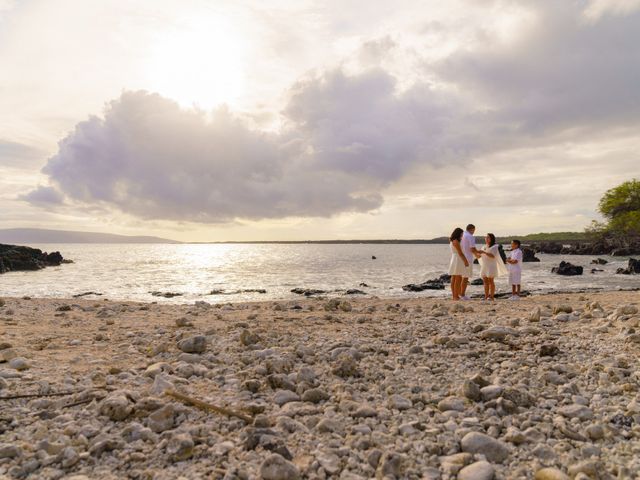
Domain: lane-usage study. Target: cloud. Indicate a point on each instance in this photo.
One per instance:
(19, 155)
(45, 196)
(346, 137)
(559, 75)
(152, 159)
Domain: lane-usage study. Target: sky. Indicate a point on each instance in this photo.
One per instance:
(277, 120)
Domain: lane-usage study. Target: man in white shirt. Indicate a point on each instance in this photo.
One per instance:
(468, 245)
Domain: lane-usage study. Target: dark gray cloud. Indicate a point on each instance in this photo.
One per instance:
(563, 73)
(347, 137)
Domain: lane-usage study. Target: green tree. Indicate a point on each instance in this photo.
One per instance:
(620, 206)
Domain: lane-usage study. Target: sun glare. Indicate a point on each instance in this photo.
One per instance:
(200, 62)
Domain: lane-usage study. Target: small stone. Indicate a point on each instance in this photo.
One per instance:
(576, 411)
(480, 381)
(328, 425)
(248, 338)
(19, 363)
(398, 402)
(183, 322)
(275, 467)
(180, 447)
(548, 350)
(534, 316)
(366, 411)
(315, 395)
(494, 450)
(162, 419)
(550, 473)
(416, 350)
(7, 354)
(595, 432)
(373, 459)
(8, 450)
(515, 436)
(497, 333)
(161, 384)
(491, 392)
(69, 457)
(451, 403)
(116, 406)
(392, 464)
(285, 396)
(562, 309)
(346, 366)
(471, 390)
(477, 471)
(195, 344)
(330, 462)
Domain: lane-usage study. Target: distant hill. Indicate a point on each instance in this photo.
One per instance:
(22, 236)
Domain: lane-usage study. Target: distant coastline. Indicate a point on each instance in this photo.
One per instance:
(39, 236)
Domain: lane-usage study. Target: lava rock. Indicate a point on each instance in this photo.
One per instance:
(567, 269)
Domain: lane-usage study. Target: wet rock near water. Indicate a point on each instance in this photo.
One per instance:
(633, 267)
(15, 258)
(433, 284)
(567, 269)
(529, 255)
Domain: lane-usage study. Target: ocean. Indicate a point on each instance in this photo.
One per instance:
(239, 272)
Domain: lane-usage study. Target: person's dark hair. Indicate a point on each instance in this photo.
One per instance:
(470, 226)
(517, 242)
(492, 239)
(456, 235)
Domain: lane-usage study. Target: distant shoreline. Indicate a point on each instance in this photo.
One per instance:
(30, 236)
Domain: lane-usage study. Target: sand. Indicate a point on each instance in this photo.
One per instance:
(326, 388)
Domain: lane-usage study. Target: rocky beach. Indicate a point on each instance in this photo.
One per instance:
(318, 388)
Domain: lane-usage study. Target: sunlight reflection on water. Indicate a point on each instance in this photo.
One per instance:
(194, 270)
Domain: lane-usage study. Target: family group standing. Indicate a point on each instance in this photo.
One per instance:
(463, 254)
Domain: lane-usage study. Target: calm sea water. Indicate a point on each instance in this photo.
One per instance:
(132, 272)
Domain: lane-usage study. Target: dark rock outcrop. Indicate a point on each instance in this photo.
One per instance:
(433, 284)
(599, 261)
(529, 255)
(603, 246)
(354, 291)
(632, 268)
(566, 268)
(307, 292)
(15, 257)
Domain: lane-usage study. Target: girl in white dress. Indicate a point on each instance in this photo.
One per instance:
(491, 266)
(458, 264)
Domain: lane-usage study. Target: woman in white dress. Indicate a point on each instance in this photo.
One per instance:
(491, 266)
(458, 264)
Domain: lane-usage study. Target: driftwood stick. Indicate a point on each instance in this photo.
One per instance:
(79, 402)
(36, 395)
(208, 406)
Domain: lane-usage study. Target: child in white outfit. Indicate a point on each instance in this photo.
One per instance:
(515, 269)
